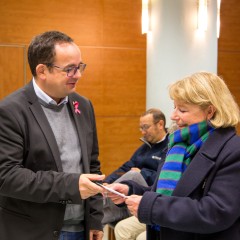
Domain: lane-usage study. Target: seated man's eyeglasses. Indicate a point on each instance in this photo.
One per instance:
(71, 71)
(145, 127)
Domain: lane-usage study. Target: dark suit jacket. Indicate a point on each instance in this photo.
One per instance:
(206, 202)
(33, 189)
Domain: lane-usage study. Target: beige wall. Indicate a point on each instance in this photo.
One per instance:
(109, 35)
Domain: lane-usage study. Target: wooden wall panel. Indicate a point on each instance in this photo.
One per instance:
(229, 46)
(109, 35)
(113, 152)
(230, 25)
(122, 23)
(115, 80)
(81, 19)
(11, 69)
(125, 82)
(230, 71)
(108, 23)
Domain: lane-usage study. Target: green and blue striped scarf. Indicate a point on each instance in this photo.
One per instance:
(183, 145)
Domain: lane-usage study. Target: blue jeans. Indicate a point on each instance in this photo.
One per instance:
(71, 235)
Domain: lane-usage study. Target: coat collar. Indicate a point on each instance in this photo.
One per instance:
(203, 162)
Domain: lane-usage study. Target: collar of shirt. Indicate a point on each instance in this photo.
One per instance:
(44, 97)
(150, 144)
(162, 139)
(143, 140)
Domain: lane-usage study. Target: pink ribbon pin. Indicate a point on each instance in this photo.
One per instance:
(76, 110)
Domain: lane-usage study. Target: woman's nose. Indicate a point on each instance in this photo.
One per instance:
(173, 115)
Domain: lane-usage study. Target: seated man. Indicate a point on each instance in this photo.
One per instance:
(130, 228)
(143, 165)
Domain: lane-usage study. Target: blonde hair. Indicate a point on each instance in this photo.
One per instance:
(205, 89)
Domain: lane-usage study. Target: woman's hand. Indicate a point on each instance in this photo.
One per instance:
(133, 202)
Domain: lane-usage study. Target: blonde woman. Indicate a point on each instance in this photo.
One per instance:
(196, 195)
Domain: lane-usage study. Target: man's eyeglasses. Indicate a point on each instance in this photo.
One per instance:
(71, 71)
(145, 127)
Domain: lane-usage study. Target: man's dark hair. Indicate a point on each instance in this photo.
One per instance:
(42, 48)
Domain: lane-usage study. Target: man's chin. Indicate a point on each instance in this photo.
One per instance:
(71, 90)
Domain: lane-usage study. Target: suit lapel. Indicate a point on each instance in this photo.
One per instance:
(47, 131)
(203, 162)
(41, 119)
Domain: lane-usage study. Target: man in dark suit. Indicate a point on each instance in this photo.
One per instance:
(49, 150)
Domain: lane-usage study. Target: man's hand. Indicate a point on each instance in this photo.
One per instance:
(135, 169)
(88, 188)
(122, 188)
(96, 235)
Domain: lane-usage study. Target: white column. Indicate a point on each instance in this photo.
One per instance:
(175, 48)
